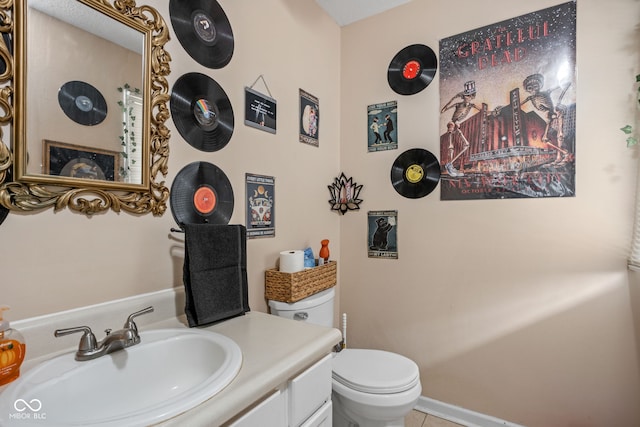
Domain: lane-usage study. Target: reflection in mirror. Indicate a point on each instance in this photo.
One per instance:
(80, 95)
(131, 106)
(89, 108)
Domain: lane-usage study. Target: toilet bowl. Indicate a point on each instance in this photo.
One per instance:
(371, 388)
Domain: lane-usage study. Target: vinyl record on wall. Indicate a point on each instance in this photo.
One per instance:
(412, 69)
(82, 103)
(415, 173)
(4, 212)
(201, 194)
(202, 112)
(204, 31)
(6, 39)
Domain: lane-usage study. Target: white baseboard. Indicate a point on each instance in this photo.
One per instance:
(459, 415)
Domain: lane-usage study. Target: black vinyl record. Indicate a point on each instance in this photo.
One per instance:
(415, 173)
(82, 103)
(201, 194)
(412, 69)
(6, 39)
(4, 212)
(202, 112)
(203, 30)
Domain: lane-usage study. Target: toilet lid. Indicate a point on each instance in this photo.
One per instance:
(375, 371)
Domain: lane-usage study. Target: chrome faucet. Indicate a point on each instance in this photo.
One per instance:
(89, 348)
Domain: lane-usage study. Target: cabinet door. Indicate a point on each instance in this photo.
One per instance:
(271, 412)
(323, 417)
(309, 391)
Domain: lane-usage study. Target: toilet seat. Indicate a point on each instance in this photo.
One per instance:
(375, 371)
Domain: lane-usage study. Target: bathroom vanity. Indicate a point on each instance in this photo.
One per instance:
(284, 378)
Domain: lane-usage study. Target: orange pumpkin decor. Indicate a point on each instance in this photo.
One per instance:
(12, 351)
(11, 357)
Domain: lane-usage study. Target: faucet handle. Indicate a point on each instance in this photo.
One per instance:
(88, 340)
(130, 324)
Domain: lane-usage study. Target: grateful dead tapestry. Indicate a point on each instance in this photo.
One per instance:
(508, 108)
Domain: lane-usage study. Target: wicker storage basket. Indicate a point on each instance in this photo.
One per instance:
(292, 287)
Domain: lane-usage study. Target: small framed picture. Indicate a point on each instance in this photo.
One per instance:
(383, 234)
(309, 119)
(261, 209)
(382, 124)
(77, 161)
(259, 110)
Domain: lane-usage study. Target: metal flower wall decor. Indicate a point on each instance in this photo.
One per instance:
(344, 194)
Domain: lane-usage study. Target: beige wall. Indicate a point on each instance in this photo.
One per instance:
(521, 309)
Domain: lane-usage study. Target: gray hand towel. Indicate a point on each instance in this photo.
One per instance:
(215, 272)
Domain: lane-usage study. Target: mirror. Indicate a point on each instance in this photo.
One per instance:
(89, 106)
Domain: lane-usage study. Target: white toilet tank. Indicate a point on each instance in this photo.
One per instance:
(316, 309)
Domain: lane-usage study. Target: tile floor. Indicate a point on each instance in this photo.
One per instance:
(420, 419)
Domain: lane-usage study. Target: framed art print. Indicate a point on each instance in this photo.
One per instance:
(383, 234)
(309, 119)
(260, 111)
(261, 209)
(76, 161)
(382, 126)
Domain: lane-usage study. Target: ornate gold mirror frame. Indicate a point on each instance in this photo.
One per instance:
(22, 192)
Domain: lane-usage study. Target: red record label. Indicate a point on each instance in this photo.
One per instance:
(204, 200)
(411, 70)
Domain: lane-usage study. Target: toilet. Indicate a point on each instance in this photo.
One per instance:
(371, 388)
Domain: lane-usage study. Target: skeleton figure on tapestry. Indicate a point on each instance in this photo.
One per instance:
(543, 102)
(460, 112)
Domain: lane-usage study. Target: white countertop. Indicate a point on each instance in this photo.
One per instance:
(274, 349)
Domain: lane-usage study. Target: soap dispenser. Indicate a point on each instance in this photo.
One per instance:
(12, 350)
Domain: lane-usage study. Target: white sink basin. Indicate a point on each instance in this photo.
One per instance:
(169, 372)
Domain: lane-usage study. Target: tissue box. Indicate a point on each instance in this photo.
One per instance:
(292, 287)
